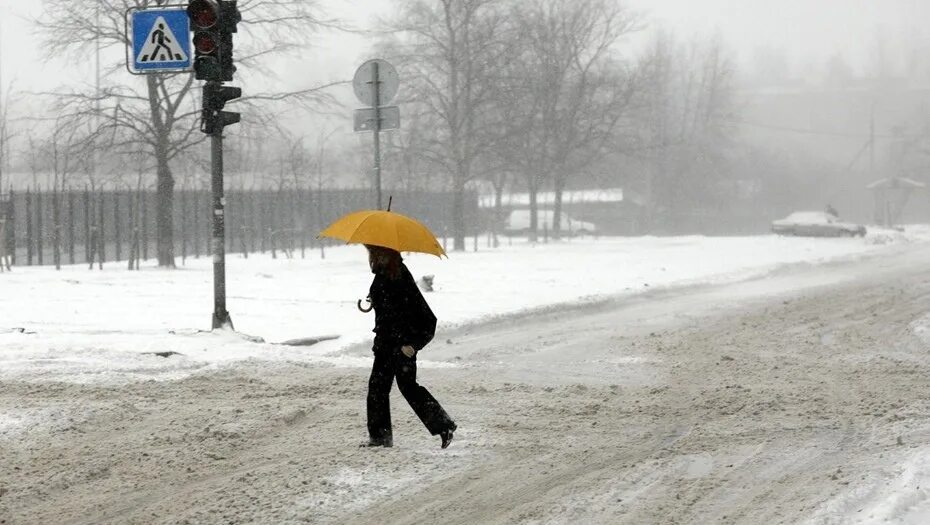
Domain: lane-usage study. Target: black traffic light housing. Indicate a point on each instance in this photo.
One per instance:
(213, 23)
(229, 20)
(204, 18)
(215, 97)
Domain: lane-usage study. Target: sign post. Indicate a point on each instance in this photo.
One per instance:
(375, 83)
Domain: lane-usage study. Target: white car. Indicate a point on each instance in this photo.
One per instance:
(816, 224)
(518, 222)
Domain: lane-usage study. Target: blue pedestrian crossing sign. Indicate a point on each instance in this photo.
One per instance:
(161, 40)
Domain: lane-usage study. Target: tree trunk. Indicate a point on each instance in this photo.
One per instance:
(534, 210)
(164, 214)
(164, 193)
(458, 214)
(56, 233)
(498, 212)
(557, 209)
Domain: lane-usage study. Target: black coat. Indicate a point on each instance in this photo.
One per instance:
(402, 316)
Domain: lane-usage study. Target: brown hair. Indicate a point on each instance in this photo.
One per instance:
(384, 260)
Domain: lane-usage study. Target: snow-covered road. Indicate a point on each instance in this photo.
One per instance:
(796, 396)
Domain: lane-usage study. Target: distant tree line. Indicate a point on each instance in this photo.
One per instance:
(535, 94)
(497, 95)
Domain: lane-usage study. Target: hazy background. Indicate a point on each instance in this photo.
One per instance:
(822, 88)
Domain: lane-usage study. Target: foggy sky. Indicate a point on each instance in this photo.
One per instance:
(810, 31)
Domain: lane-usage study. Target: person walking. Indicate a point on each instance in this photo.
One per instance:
(404, 324)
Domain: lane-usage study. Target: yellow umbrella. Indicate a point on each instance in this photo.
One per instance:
(386, 229)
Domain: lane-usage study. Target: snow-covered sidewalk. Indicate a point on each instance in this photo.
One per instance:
(84, 326)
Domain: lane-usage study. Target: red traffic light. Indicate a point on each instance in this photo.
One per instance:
(204, 43)
(203, 14)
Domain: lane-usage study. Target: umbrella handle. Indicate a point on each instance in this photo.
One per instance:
(363, 310)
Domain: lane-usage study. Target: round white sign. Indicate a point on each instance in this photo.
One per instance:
(375, 74)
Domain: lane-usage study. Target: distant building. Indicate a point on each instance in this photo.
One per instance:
(613, 211)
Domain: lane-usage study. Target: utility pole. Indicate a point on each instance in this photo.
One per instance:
(872, 141)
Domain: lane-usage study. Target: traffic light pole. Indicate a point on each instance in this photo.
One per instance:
(214, 22)
(221, 317)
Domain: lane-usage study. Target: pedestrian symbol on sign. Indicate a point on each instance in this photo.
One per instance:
(161, 45)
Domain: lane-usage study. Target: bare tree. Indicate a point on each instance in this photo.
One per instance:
(5, 133)
(564, 91)
(68, 149)
(687, 121)
(5, 258)
(406, 156)
(159, 112)
(448, 51)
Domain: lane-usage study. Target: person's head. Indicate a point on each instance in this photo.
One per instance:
(384, 260)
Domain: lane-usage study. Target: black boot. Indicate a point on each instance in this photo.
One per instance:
(446, 436)
(372, 442)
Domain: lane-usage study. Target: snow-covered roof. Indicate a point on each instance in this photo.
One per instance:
(547, 198)
(896, 182)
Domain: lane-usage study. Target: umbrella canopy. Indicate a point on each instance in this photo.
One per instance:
(386, 229)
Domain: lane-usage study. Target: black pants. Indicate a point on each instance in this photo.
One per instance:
(390, 362)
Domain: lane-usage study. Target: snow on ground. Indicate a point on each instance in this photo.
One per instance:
(86, 326)
(897, 494)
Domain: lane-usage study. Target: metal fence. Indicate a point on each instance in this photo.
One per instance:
(80, 226)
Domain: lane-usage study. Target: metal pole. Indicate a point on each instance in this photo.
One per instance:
(3, 146)
(221, 317)
(872, 141)
(376, 87)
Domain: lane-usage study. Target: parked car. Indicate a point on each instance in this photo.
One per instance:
(816, 224)
(518, 222)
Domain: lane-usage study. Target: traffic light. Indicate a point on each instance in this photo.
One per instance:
(229, 20)
(213, 23)
(215, 97)
(205, 22)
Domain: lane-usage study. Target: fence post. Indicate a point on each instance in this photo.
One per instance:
(302, 221)
(40, 245)
(30, 246)
(319, 223)
(258, 224)
(249, 223)
(133, 233)
(137, 231)
(273, 220)
(131, 226)
(5, 220)
(143, 223)
(56, 228)
(245, 207)
(184, 230)
(117, 231)
(11, 233)
(243, 228)
(70, 226)
(87, 228)
(230, 231)
(296, 227)
(195, 195)
(101, 232)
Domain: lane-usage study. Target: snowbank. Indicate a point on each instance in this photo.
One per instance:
(87, 326)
